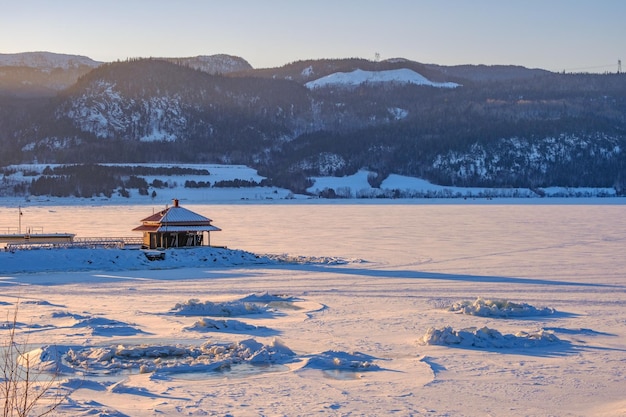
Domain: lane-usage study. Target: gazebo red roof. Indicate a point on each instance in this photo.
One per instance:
(176, 219)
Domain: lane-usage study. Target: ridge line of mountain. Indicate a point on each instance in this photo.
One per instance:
(517, 127)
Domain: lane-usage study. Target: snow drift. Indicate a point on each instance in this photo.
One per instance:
(498, 308)
(487, 338)
(194, 307)
(150, 358)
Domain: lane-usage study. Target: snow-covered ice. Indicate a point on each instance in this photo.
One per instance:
(361, 309)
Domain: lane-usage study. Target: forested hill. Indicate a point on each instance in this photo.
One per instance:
(467, 125)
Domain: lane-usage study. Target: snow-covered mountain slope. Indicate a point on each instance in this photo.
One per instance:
(46, 60)
(105, 112)
(509, 158)
(358, 77)
(214, 64)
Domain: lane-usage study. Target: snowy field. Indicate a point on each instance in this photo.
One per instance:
(355, 186)
(373, 310)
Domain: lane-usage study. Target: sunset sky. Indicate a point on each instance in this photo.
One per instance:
(571, 35)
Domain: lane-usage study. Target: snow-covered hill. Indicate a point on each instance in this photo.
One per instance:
(214, 64)
(41, 74)
(356, 186)
(394, 186)
(358, 77)
(46, 60)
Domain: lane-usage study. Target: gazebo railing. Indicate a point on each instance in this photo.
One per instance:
(81, 242)
(103, 241)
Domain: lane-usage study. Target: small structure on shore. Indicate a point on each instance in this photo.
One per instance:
(176, 227)
(35, 237)
(32, 236)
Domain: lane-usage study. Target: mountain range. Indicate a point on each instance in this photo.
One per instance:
(468, 125)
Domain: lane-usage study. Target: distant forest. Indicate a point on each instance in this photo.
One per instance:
(503, 127)
(92, 180)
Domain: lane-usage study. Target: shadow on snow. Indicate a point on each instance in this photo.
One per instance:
(407, 274)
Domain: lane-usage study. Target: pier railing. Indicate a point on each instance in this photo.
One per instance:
(105, 241)
(81, 242)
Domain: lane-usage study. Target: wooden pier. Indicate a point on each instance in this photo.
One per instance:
(83, 242)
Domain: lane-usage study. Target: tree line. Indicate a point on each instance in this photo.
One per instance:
(280, 127)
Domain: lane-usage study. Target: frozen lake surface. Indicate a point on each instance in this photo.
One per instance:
(538, 326)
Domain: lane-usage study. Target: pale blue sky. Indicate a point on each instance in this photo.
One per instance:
(585, 35)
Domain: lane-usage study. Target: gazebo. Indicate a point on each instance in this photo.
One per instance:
(176, 227)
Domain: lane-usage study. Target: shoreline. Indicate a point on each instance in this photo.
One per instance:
(304, 200)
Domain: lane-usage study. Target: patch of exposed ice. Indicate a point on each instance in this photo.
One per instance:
(101, 326)
(267, 298)
(194, 307)
(337, 360)
(40, 303)
(88, 408)
(301, 259)
(177, 358)
(487, 338)
(66, 314)
(46, 358)
(498, 308)
(10, 324)
(210, 325)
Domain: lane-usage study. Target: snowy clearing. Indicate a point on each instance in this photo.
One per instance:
(355, 186)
